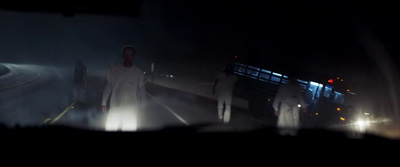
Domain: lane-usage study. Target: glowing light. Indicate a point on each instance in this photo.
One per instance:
(299, 105)
(72, 107)
(341, 80)
(337, 78)
(342, 119)
(269, 99)
(338, 109)
(330, 80)
(316, 113)
(348, 90)
(366, 113)
(124, 119)
(235, 57)
(361, 123)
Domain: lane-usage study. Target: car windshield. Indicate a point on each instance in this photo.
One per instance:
(224, 65)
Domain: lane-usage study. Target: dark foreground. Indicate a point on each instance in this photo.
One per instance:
(187, 142)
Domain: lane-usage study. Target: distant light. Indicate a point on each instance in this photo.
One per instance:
(269, 99)
(338, 109)
(72, 107)
(299, 105)
(366, 113)
(341, 80)
(342, 119)
(361, 123)
(348, 90)
(337, 78)
(316, 113)
(171, 76)
(235, 57)
(330, 80)
(144, 72)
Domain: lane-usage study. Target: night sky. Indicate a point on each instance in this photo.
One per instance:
(178, 35)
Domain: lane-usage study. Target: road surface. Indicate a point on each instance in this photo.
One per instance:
(37, 95)
(31, 93)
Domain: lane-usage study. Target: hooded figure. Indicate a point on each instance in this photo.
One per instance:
(125, 89)
(78, 93)
(287, 104)
(223, 87)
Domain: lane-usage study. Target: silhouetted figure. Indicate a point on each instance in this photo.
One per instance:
(125, 90)
(223, 87)
(80, 85)
(287, 104)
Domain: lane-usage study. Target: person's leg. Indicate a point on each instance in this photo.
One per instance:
(220, 107)
(75, 92)
(113, 121)
(82, 94)
(295, 121)
(227, 114)
(284, 119)
(129, 121)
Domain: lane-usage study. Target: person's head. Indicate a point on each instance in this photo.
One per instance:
(128, 52)
(292, 77)
(229, 69)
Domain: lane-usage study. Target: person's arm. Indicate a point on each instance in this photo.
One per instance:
(107, 91)
(141, 88)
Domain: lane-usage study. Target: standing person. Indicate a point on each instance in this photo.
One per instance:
(223, 87)
(287, 104)
(126, 91)
(78, 92)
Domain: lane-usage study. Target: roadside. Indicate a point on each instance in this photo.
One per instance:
(203, 90)
(3, 70)
(195, 109)
(197, 88)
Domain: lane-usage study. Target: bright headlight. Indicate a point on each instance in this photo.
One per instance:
(362, 123)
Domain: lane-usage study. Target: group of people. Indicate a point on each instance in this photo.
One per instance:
(125, 92)
(287, 104)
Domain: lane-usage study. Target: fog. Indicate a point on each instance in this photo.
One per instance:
(97, 40)
(193, 40)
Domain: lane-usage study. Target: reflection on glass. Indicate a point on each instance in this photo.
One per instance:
(275, 79)
(339, 97)
(266, 71)
(276, 74)
(319, 90)
(302, 82)
(252, 73)
(264, 76)
(240, 69)
(254, 68)
(328, 90)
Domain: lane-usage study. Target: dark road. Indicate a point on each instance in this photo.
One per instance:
(50, 104)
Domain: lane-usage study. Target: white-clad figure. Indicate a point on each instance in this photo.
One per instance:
(287, 105)
(223, 87)
(125, 89)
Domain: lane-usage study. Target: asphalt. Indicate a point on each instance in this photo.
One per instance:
(41, 96)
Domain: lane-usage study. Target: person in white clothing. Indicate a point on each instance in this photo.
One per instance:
(223, 87)
(125, 91)
(288, 103)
